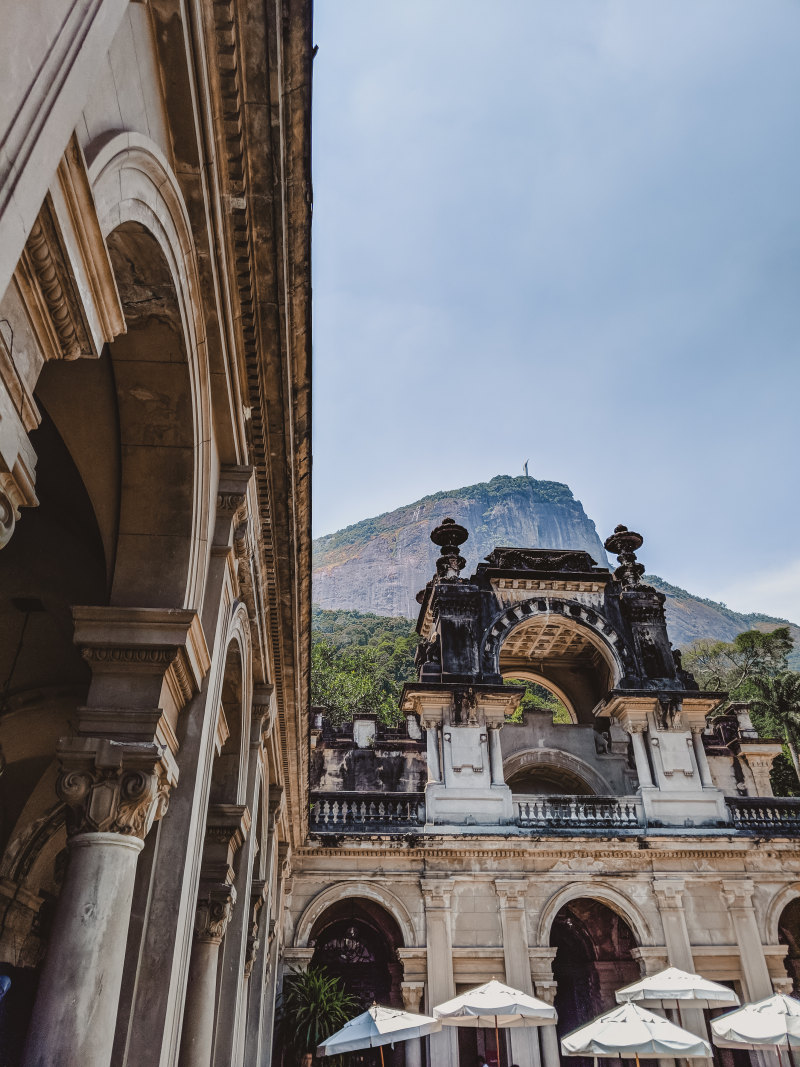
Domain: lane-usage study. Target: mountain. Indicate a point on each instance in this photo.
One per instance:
(379, 564)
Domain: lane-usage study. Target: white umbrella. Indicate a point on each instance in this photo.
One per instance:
(495, 1004)
(376, 1027)
(774, 1021)
(629, 1030)
(674, 985)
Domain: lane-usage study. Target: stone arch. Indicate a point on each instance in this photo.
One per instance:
(566, 643)
(564, 761)
(594, 890)
(141, 211)
(234, 694)
(353, 890)
(528, 674)
(775, 909)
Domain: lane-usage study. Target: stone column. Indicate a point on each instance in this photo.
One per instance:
(637, 732)
(551, 1056)
(760, 764)
(412, 995)
(434, 763)
(213, 913)
(738, 897)
(700, 756)
(496, 757)
(669, 895)
(441, 986)
(514, 926)
(113, 793)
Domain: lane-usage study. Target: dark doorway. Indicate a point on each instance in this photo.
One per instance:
(593, 958)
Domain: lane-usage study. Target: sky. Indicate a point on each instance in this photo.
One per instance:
(566, 231)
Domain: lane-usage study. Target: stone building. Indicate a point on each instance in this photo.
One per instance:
(565, 858)
(155, 202)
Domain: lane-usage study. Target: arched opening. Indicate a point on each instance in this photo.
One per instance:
(356, 940)
(549, 780)
(594, 957)
(561, 653)
(789, 935)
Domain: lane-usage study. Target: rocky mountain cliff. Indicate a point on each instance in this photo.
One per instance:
(379, 564)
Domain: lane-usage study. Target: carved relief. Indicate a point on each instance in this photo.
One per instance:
(213, 912)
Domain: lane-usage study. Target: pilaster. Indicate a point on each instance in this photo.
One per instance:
(436, 893)
(738, 897)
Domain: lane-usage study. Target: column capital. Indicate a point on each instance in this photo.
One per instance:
(783, 985)
(738, 893)
(276, 804)
(669, 892)
(213, 911)
(262, 716)
(511, 891)
(436, 892)
(546, 991)
(258, 894)
(412, 995)
(651, 959)
(112, 786)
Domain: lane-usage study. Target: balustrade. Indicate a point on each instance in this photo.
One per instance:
(578, 812)
(365, 812)
(766, 815)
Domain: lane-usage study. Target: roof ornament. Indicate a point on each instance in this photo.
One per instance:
(449, 536)
(624, 543)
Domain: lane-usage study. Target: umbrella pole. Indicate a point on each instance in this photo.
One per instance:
(497, 1041)
(780, 1058)
(636, 1054)
(381, 1048)
(792, 1057)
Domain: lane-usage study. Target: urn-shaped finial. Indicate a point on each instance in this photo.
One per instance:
(449, 536)
(624, 543)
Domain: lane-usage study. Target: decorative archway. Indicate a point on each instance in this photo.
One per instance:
(553, 763)
(605, 894)
(352, 890)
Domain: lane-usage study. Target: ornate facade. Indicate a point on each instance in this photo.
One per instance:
(565, 857)
(155, 201)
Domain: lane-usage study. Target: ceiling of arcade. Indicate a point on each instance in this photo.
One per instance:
(552, 639)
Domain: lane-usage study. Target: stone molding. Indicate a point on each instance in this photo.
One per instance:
(44, 272)
(213, 912)
(166, 643)
(651, 960)
(114, 787)
(669, 893)
(227, 826)
(546, 991)
(739, 893)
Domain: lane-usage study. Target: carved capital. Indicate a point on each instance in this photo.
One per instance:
(276, 805)
(213, 912)
(412, 995)
(738, 894)
(234, 484)
(669, 893)
(114, 787)
(262, 716)
(284, 859)
(257, 897)
(436, 892)
(511, 891)
(546, 991)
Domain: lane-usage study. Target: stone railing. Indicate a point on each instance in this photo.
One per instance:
(766, 815)
(347, 813)
(548, 813)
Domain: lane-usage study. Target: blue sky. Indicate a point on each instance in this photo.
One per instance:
(566, 231)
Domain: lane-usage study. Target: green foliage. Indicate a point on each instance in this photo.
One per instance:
(783, 776)
(537, 698)
(359, 664)
(313, 1005)
(734, 666)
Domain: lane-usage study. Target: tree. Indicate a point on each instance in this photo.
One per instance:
(313, 1005)
(775, 704)
(732, 665)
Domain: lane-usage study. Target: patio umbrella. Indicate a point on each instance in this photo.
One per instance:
(629, 1030)
(376, 1027)
(772, 1022)
(673, 986)
(498, 1005)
